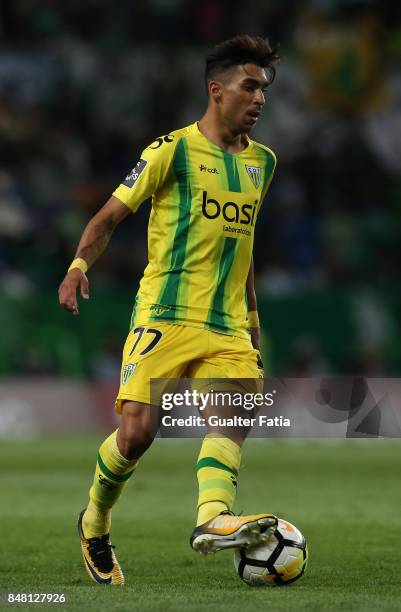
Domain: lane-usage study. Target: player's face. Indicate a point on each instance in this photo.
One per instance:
(242, 97)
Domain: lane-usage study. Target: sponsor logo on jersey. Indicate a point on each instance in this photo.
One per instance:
(254, 173)
(230, 211)
(159, 310)
(204, 168)
(128, 371)
(133, 176)
(236, 230)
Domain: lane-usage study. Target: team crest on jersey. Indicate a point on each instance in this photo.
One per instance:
(255, 174)
(128, 371)
(159, 310)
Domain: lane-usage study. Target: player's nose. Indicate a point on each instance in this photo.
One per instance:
(259, 97)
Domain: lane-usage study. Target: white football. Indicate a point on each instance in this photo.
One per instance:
(280, 561)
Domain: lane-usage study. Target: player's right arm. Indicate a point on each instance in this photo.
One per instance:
(144, 180)
(93, 242)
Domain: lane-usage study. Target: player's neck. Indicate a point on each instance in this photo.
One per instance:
(221, 135)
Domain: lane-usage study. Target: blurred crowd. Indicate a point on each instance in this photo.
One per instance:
(84, 87)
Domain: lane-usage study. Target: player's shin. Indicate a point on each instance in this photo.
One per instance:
(217, 467)
(112, 472)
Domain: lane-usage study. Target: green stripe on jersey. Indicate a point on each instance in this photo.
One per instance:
(169, 293)
(216, 316)
(133, 315)
(211, 462)
(269, 165)
(234, 184)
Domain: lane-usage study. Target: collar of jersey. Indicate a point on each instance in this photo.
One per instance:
(197, 130)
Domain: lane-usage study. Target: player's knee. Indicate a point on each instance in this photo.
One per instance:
(133, 446)
(135, 431)
(133, 440)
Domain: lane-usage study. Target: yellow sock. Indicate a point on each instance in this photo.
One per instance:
(96, 521)
(112, 472)
(209, 510)
(218, 464)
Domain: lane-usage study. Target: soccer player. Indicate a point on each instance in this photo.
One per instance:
(195, 312)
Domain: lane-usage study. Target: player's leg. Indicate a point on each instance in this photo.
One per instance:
(156, 351)
(217, 528)
(220, 458)
(116, 462)
(217, 472)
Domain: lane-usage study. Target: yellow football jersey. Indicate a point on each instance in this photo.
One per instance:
(205, 202)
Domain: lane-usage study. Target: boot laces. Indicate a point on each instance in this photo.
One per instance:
(101, 553)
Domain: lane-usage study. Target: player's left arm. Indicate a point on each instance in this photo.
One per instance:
(252, 308)
(253, 318)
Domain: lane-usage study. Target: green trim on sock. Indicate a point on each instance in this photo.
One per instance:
(109, 474)
(214, 463)
(218, 483)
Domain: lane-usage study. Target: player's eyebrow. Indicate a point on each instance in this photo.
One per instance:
(250, 81)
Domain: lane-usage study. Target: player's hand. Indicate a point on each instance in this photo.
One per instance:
(255, 337)
(74, 280)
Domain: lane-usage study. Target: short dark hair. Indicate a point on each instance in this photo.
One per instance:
(242, 49)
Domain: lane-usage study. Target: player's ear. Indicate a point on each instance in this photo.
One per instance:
(215, 90)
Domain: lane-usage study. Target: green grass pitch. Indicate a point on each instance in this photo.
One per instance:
(345, 497)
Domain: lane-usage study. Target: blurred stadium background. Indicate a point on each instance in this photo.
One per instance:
(85, 86)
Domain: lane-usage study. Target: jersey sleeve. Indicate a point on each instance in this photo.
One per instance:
(270, 167)
(149, 174)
